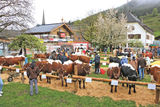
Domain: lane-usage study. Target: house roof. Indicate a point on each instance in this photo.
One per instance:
(131, 18)
(6, 34)
(45, 28)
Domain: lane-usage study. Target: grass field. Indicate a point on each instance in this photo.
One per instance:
(153, 23)
(17, 95)
(146, 77)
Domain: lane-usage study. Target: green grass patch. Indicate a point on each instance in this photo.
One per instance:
(153, 23)
(17, 95)
(104, 65)
(98, 75)
(157, 33)
(147, 78)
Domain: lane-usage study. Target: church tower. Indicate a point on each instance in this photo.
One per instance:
(43, 19)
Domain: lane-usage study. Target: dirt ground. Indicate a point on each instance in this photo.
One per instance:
(142, 96)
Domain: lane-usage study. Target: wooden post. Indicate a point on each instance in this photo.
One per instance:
(157, 95)
(76, 81)
(22, 77)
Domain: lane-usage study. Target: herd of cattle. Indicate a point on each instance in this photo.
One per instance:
(115, 69)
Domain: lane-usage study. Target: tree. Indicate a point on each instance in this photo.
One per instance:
(15, 14)
(135, 43)
(155, 12)
(111, 29)
(86, 27)
(27, 41)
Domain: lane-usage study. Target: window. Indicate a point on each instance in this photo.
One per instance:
(147, 44)
(132, 27)
(134, 36)
(147, 37)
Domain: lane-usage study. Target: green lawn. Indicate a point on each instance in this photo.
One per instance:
(17, 95)
(98, 75)
(146, 77)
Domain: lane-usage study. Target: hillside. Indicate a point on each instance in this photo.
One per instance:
(153, 22)
(140, 8)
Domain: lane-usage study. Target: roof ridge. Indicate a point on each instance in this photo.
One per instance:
(49, 24)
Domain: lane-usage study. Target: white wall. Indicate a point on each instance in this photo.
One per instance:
(138, 29)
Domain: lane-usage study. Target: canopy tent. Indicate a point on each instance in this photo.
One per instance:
(157, 43)
(152, 45)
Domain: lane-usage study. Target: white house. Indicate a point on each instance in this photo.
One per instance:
(138, 31)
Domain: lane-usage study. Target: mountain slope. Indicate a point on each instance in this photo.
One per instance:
(140, 7)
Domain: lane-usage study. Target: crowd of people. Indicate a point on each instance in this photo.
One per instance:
(133, 57)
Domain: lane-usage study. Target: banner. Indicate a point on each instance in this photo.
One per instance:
(62, 35)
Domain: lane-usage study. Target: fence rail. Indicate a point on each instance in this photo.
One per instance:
(75, 78)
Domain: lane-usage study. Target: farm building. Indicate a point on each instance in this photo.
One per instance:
(56, 35)
(139, 31)
(6, 37)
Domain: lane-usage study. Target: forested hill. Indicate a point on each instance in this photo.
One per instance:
(143, 10)
(140, 7)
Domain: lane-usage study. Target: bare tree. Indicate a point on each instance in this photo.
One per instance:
(15, 14)
(111, 29)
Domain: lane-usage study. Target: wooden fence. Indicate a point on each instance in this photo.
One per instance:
(75, 80)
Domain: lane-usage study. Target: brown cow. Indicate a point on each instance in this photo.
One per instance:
(40, 56)
(83, 70)
(84, 59)
(113, 73)
(155, 72)
(13, 60)
(73, 57)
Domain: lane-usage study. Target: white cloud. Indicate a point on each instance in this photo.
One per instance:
(70, 9)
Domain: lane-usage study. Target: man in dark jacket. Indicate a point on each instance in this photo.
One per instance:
(97, 62)
(32, 73)
(141, 66)
(53, 55)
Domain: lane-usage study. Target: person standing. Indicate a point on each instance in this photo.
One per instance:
(97, 62)
(141, 66)
(1, 85)
(134, 63)
(105, 51)
(158, 52)
(32, 73)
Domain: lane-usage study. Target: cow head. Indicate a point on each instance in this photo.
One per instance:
(133, 77)
(116, 72)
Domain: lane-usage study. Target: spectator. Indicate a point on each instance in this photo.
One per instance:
(1, 85)
(141, 66)
(134, 63)
(158, 51)
(32, 73)
(124, 60)
(64, 58)
(84, 51)
(153, 52)
(53, 55)
(97, 62)
(105, 51)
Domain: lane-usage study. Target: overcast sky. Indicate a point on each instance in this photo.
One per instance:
(70, 10)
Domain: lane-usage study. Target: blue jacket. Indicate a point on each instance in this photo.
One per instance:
(124, 60)
(97, 59)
